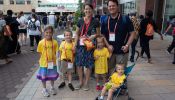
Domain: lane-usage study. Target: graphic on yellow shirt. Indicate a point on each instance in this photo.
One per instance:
(48, 50)
(101, 64)
(66, 50)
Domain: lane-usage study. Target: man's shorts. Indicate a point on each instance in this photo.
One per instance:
(117, 59)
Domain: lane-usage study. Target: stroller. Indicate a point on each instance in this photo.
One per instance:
(117, 92)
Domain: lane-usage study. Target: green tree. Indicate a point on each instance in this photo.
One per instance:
(78, 13)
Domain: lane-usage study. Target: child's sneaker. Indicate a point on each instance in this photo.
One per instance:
(98, 87)
(53, 91)
(62, 85)
(71, 86)
(45, 93)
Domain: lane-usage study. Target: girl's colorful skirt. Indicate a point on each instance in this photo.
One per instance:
(45, 74)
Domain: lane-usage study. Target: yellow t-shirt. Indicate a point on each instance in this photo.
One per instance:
(66, 50)
(116, 79)
(47, 51)
(101, 64)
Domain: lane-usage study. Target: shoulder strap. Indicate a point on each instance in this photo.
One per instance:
(124, 19)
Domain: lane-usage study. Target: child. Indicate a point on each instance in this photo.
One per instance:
(66, 53)
(101, 55)
(116, 79)
(48, 48)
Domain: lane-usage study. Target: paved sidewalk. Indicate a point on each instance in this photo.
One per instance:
(147, 81)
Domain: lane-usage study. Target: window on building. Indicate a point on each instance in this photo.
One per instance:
(1, 2)
(28, 1)
(20, 1)
(12, 2)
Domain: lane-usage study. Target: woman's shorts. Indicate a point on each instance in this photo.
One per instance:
(23, 31)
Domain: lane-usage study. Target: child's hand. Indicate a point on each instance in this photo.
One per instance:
(96, 57)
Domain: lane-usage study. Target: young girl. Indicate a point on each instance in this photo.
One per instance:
(67, 52)
(116, 79)
(101, 55)
(48, 48)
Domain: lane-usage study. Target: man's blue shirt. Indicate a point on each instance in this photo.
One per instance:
(123, 30)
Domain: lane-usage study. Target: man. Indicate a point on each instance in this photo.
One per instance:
(3, 40)
(14, 46)
(119, 33)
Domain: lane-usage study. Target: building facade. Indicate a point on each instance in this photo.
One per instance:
(57, 6)
(17, 5)
(162, 9)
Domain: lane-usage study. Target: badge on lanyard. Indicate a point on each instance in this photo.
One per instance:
(112, 36)
(81, 41)
(84, 31)
(70, 65)
(50, 65)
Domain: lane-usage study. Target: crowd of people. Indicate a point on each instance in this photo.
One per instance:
(101, 43)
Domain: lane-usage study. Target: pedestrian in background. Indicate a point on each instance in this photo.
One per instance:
(48, 48)
(22, 28)
(13, 44)
(3, 40)
(34, 32)
(147, 30)
(136, 25)
(171, 47)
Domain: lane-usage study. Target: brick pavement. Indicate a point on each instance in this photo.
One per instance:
(15, 75)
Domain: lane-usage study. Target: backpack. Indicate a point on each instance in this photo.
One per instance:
(32, 26)
(149, 30)
(173, 33)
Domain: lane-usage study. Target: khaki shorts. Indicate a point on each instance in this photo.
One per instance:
(64, 67)
(117, 59)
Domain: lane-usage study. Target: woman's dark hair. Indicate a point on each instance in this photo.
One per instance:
(115, 1)
(49, 27)
(9, 12)
(141, 17)
(88, 4)
(149, 13)
(34, 16)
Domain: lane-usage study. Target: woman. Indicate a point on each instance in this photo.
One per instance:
(144, 39)
(34, 27)
(87, 27)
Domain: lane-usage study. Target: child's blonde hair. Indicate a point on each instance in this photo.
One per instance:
(67, 30)
(49, 27)
(123, 65)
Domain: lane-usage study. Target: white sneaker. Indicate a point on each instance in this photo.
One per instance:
(53, 91)
(45, 93)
